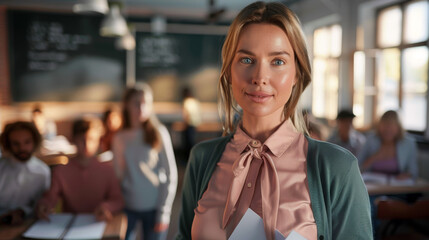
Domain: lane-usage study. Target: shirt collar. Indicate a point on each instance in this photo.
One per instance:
(277, 143)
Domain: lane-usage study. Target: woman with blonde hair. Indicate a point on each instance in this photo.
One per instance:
(145, 163)
(267, 164)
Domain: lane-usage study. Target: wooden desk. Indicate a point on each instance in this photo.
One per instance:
(420, 186)
(115, 229)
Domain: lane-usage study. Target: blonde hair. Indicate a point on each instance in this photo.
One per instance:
(281, 16)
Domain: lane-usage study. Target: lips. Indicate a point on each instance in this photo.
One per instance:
(258, 96)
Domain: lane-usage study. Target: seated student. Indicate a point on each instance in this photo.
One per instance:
(345, 135)
(23, 177)
(85, 185)
(390, 150)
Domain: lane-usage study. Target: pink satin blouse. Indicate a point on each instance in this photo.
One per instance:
(270, 178)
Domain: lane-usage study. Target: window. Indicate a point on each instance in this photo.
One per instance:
(402, 62)
(327, 50)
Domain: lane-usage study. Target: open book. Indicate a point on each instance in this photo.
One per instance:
(67, 226)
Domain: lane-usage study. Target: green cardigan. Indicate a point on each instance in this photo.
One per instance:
(339, 198)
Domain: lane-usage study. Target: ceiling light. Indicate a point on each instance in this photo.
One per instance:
(91, 6)
(158, 25)
(114, 24)
(126, 42)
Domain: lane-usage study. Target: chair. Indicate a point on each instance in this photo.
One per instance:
(399, 213)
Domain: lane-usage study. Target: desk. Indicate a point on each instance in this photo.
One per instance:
(115, 229)
(420, 186)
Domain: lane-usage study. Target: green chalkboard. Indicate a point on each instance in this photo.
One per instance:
(62, 57)
(172, 61)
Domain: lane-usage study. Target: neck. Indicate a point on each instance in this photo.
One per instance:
(260, 128)
(135, 123)
(389, 142)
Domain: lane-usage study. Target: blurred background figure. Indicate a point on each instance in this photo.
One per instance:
(316, 128)
(85, 185)
(145, 163)
(112, 121)
(390, 150)
(53, 147)
(192, 117)
(345, 135)
(46, 127)
(23, 177)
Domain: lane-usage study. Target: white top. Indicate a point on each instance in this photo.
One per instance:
(22, 184)
(148, 178)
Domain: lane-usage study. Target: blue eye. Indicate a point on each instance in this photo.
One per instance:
(246, 60)
(278, 62)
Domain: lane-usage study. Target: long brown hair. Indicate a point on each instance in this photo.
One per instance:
(149, 126)
(281, 16)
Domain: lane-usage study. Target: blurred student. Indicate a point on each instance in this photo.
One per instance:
(52, 144)
(112, 122)
(46, 127)
(84, 185)
(192, 117)
(145, 163)
(345, 135)
(23, 177)
(390, 150)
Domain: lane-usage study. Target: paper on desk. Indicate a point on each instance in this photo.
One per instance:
(53, 229)
(384, 179)
(401, 182)
(251, 227)
(85, 226)
(377, 178)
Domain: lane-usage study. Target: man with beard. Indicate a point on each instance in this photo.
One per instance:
(23, 177)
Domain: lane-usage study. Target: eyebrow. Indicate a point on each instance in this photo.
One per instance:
(270, 54)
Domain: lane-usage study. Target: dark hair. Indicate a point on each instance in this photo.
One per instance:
(19, 125)
(151, 134)
(83, 125)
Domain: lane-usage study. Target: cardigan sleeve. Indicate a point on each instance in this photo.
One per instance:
(189, 199)
(351, 218)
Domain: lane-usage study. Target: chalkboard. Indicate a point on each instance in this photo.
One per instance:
(62, 57)
(172, 61)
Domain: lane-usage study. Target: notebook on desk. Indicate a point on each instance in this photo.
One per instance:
(68, 227)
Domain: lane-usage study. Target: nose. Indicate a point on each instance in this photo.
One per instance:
(260, 74)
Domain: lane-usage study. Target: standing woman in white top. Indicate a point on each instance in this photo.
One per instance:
(145, 163)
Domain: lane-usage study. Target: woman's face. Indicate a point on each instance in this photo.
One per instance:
(263, 70)
(388, 130)
(138, 108)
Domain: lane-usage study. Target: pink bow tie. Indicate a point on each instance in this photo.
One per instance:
(270, 189)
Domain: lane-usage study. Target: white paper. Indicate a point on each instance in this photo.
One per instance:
(251, 227)
(53, 229)
(376, 178)
(85, 226)
(295, 236)
(401, 182)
